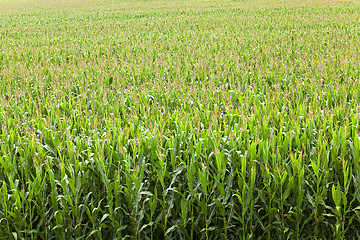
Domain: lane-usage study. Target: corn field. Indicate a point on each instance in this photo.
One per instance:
(177, 119)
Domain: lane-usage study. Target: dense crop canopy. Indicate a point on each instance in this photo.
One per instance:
(179, 119)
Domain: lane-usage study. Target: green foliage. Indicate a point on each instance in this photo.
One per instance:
(179, 120)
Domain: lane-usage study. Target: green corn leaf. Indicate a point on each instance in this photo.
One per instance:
(336, 194)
